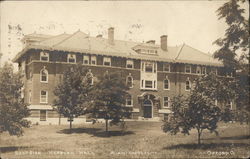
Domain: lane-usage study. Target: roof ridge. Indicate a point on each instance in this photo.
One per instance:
(179, 52)
(199, 51)
(52, 37)
(67, 38)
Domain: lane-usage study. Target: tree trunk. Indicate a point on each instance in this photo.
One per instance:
(199, 136)
(70, 125)
(106, 125)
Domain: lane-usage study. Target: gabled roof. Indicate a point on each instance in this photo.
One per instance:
(83, 43)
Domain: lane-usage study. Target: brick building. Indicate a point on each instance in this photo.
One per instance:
(155, 73)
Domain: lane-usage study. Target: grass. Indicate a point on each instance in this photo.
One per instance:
(140, 140)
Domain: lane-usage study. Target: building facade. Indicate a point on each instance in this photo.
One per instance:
(154, 73)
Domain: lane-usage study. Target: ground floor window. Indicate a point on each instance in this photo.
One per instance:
(43, 115)
(166, 102)
(129, 101)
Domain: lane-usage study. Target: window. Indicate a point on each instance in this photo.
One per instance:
(44, 75)
(166, 102)
(230, 104)
(214, 70)
(43, 97)
(203, 70)
(148, 67)
(129, 101)
(85, 59)
(166, 84)
(130, 64)
(188, 85)
(107, 61)
(44, 56)
(129, 81)
(166, 67)
(148, 84)
(71, 58)
(30, 96)
(216, 102)
(198, 70)
(93, 60)
(43, 115)
(187, 68)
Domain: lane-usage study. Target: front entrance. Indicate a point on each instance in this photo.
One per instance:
(147, 104)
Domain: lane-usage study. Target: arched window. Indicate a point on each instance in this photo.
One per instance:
(166, 84)
(129, 81)
(44, 75)
(188, 85)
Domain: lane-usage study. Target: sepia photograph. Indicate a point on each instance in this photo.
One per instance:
(124, 79)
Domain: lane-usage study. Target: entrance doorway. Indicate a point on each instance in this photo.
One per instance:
(148, 111)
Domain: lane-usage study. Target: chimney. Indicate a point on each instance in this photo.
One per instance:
(151, 42)
(99, 36)
(164, 42)
(111, 35)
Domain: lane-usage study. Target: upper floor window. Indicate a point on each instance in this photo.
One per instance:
(148, 67)
(214, 70)
(129, 101)
(71, 58)
(85, 59)
(107, 61)
(44, 56)
(148, 84)
(203, 70)
(188, 68)
(166, 102)
(129, 81)
(130, 64)
(93, 60)
(188, 85)
(44, 96)
(198, 70)
(166, 84)
(44, 75)
(166, 67)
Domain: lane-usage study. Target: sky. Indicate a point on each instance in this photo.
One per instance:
(191, 22)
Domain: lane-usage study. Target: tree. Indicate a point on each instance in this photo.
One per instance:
(198, 111)
(109, 97)
(73, 93)
(218, 88)
(236, 42)
(13, 110)
(194, 112)
(236, 37)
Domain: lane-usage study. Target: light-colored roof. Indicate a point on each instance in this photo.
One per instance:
(83, 43)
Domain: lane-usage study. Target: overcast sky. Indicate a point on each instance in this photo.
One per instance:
(191, 22)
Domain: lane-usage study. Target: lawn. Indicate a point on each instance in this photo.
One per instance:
(140, 140)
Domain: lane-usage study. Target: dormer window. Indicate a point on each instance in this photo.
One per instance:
(187, 69)
(71, 58)
(85, 59)
(107, 61)
(130, 64)
(166, 67)
(44, 56)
